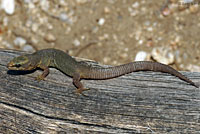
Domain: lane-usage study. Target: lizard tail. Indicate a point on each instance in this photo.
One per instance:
(112, 72)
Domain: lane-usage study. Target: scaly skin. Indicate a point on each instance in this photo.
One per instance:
(80, 70)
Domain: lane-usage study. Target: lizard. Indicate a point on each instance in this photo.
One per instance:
(78, 70)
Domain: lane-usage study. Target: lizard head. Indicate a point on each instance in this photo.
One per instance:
(20, 63)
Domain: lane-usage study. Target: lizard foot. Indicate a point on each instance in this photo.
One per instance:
(39, 78)
(79, 91)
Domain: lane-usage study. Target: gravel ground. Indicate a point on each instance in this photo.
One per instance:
(108, 31)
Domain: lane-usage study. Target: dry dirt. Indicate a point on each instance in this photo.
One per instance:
(107, 31)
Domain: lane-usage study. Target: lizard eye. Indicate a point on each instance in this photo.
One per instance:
(17, 65)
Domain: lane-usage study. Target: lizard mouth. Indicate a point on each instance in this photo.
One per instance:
(13, 66)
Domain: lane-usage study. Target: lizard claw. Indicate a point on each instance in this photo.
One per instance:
(79, 91)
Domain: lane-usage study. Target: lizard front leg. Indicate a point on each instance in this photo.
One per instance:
(78, 84)
(44, 74)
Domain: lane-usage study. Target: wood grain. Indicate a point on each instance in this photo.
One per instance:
(141, 102)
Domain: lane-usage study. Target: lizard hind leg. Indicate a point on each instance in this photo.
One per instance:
(79, 85)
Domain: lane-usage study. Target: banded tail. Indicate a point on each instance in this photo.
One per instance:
(112, 72)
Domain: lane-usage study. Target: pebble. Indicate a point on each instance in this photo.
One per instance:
(141, 56)
(8, 6)
(124, 55)
(28, 48)
(150, 29)
(133, 12)
(106, 59)
(106, 10)
(50, 37)
(34, 27)
(63, 3)
(163, 55)
(19, 41)
(5, 21)
(76, 42)
(193, 68)
(147, 23)
(44, 5)
(135, 5)
(34, 40)
(67, 18)
(5, 44)
(194, 8)
(31, 5)
(27, 1)
(140, 42)
(101, 21)
(187, 1)
(177, 56)
(68, 30)
(166, 12)
(81, 1)
(64, 17)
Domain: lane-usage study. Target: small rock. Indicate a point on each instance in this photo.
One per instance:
(68, 30)
(193, 68)
(76, 42)
(140, 56)
(147, 23)
(101, 21)
(132, 11)
(126, 49)
(106, 10)
(124, 55)
(34, 40)
(5, 44)
(28, 48)
(8, 6)
(187, 1)
(49, 26)
(5, 21)
(31, 5)
(177, 56)
(135, 5)
(34, 27)
(44, 5)
(163, 55)
(28, 23)
(166, 12)
(194, 8)
(50, 37)
(63, 3)
(27, 1)
(81, 1)
(19, 41)
(106, 59)
(95, 29)
(64, 17)
(140, 42)
(150, 29)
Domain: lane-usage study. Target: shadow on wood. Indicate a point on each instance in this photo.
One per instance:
(142, 102)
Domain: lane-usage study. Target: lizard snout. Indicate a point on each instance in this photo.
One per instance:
(10, 64)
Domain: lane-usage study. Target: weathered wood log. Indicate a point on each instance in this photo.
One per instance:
(140, 102)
